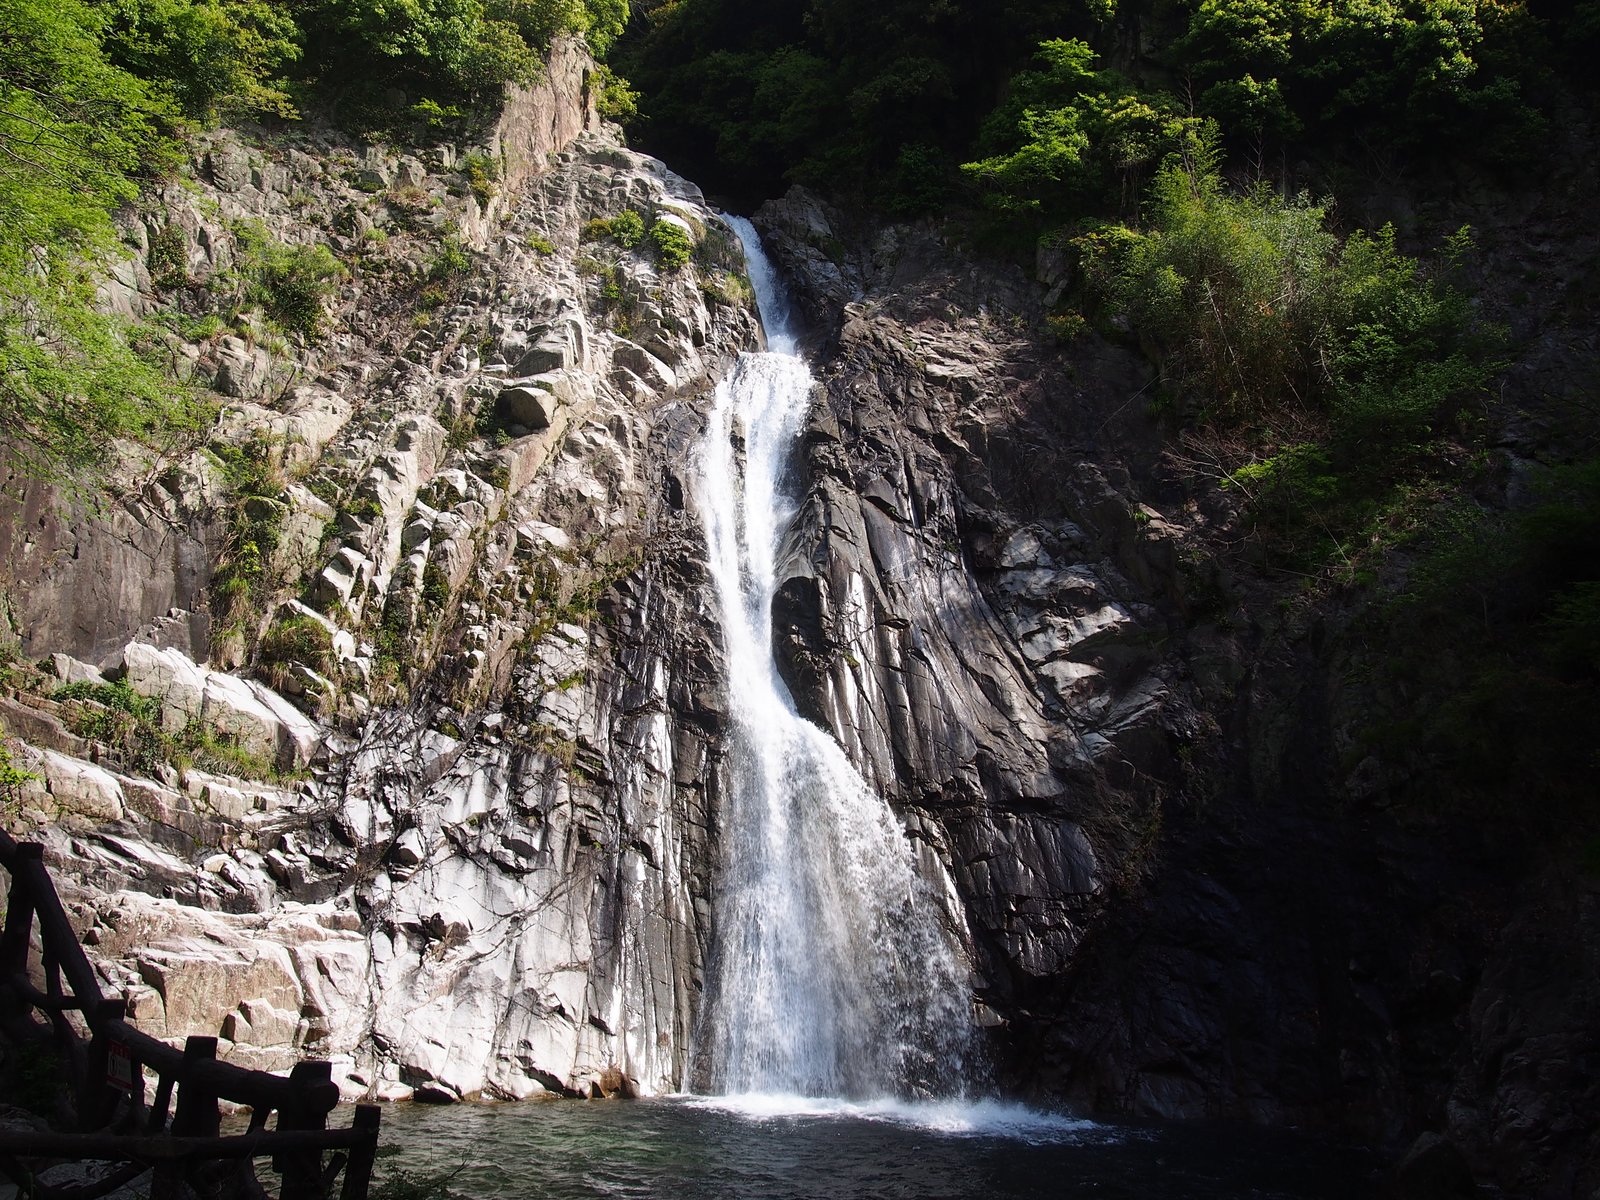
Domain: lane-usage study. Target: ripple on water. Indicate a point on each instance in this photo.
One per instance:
(953, 1118)
(795, 1148)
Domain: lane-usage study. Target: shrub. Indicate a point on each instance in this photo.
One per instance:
(298, 639)
(483, 175)
(12, 780)
(1324, 369)
(291, 283)
(450, 262)
(169, 257)
(119, 717)
(673, 245)
(626, 229)
(1255, 304)
(614, 99)
(254, 528)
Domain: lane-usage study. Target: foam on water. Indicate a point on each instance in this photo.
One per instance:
(952, 1118)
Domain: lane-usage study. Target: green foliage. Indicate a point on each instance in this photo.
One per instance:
(869, 99)
(12, 780)
(1325, 369)
(295, 639)
(921, 182)
(255, 526)
(121, 719)
(878, 100)
(614, 99)
(1257, 305)
(455, 52)
(452, 46)
(77, 132)
(727, 288)
(290, 283)
(435, 586)
(129, 726)
(115, 697)
(1408, 74)
(1071, 139)
(217, 58)
(1500, 628)
(483, 175)
(626, 229)
(450, 262)
(673, 245)
(436, 116)
(169, 257)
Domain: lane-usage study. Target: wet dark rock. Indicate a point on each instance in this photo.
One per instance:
(1433, 1169)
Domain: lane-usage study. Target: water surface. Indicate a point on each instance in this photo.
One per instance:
(783, 1149)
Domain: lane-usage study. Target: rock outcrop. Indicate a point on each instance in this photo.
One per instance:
(1034, 628)
(432, 801)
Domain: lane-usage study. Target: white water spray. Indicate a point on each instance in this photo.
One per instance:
(831, 974)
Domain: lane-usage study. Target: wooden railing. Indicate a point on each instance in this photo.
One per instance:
(176, 1135)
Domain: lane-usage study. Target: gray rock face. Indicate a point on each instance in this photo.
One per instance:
(481, 865)
(1020, 614)
(958, 604)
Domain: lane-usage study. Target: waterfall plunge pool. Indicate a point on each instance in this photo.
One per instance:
(790, 1148)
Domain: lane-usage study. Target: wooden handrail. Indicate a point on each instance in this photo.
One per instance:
(303, 1100)
(25, 861)
(150, 1148)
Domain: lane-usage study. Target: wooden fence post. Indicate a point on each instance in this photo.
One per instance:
(313, 1097)
(19, 915)
(196, 1114)
(98, 1095)
(358, 1171)
(18, 933)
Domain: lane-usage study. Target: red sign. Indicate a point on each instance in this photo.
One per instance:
(119, 1066)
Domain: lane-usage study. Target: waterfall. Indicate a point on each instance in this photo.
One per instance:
(830, 973)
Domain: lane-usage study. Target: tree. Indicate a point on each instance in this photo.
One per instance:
(76, 134)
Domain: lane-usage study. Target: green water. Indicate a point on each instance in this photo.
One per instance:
(689, 1149)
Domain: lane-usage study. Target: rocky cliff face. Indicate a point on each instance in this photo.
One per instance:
(462, 726)
(1188, 898)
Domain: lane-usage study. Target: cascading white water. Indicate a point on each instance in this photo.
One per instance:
(831, 974)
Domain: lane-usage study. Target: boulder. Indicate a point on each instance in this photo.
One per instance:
(79, 788)
(528, 405)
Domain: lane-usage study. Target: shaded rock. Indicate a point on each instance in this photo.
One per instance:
(1433, 1169)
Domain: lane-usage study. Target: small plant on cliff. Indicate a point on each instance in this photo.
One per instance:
(12, 780)
(451, 261)
(1324, 372)
(290, 283)
(483, 176)
(169, 257)
(121, 719)
(295, 639)
(255, 524)
(613, 98)
(673, 245)
(626, 229)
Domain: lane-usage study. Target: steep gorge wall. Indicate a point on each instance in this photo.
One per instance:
(492, 874)
(1033, 629)
(471, 857)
